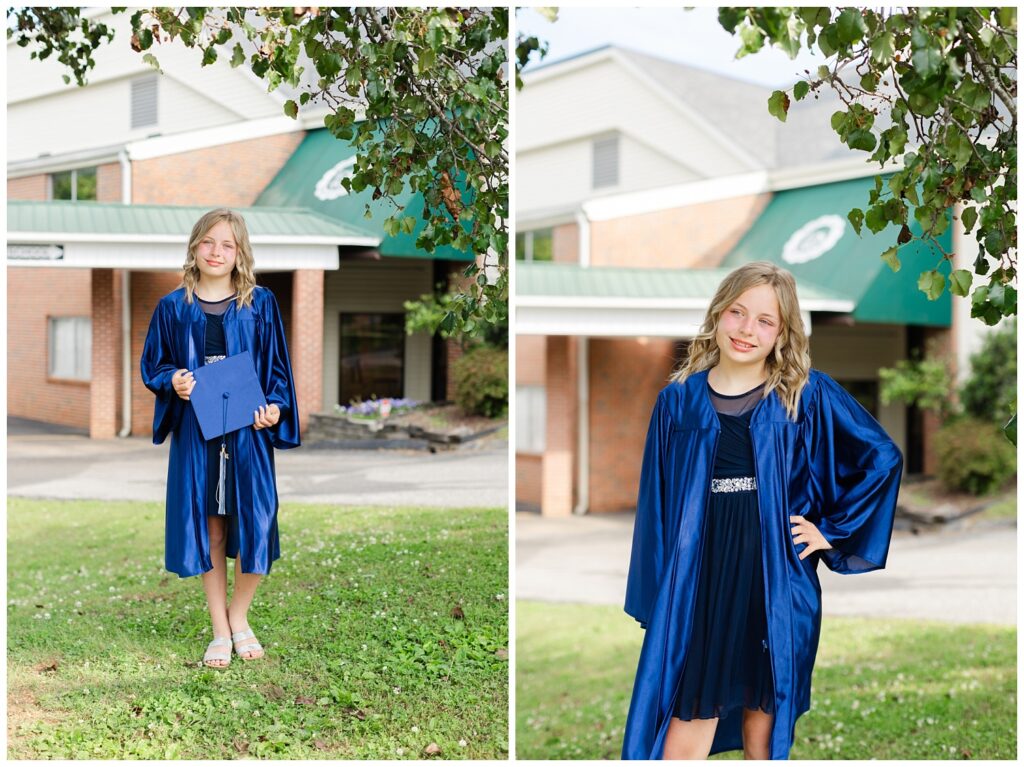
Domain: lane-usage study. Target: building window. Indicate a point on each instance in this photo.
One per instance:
(372, 363)
(70, 348)
(144, 101)
(605, 170)
(535, 245)
(531, 404)
(78, 184)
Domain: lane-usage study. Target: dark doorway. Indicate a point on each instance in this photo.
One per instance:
(372, 363)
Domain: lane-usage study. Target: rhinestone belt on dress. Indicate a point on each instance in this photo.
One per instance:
(733, 484)
(215, 358)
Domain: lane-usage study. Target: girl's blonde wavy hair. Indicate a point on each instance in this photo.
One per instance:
(243, 277)
(789, 362)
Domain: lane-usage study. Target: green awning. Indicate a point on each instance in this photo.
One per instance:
(806, 231)
(311, 179)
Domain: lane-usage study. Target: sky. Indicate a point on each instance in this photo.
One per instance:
(692, 37)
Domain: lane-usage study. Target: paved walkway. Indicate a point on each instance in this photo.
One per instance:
(46, 465)
(962, 576)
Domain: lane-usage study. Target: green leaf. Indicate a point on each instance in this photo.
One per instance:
(882, 49)
(778, 105)
(408, 224)
(869, 82)
(861, 139)
(237, 55)
(927, 60)
(291, 109)
(890, 257)
(856, 217)
(932, 283)
(800, 89)
(209, 56)
(875, 218)
(426, 60)
(150, 59)
(850, 26)
(974, 95)
(391, 226)
(969, 217)
(960, 282)
(1010, 430)
(958, 146)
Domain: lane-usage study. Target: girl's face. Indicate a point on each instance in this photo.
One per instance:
(217, 251)
(749, 326)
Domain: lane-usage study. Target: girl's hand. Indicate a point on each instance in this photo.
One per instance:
(183, 383)
(805, 532)
(266, 416)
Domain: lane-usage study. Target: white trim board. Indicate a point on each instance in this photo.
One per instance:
(157, 256)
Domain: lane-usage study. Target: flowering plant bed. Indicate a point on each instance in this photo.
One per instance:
(407, 423)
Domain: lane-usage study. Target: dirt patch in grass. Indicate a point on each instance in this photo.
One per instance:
(23, 713)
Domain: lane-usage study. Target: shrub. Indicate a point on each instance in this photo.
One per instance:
(481, 381)
(974, 456)
(991, 390)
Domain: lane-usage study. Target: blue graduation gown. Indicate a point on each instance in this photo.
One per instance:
(176, 340)
(834, 465)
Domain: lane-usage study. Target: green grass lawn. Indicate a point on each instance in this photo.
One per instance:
(882, 689)
(364, 656)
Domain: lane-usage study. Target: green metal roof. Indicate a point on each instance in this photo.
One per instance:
(806, 231)
(311, 179)
(570, 280)
(86, 217)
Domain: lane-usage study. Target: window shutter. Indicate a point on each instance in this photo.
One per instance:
(606, 162)
(144, 101)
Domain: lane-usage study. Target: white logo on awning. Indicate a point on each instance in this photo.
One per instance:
(813, 239)
(329, 186)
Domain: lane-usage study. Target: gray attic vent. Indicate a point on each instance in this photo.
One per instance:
(605, 170)
(144, 101)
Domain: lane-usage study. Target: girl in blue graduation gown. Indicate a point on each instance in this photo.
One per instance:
(824, 478)
(220, 311)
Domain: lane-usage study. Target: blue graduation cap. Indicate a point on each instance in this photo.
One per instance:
(226, 394)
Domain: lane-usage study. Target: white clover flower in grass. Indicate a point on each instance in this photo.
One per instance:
(415, 728)
(462, 744)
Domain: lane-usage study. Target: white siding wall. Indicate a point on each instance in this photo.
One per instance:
(661, 143)
(858, 352)
(45, 115)
(377, 286)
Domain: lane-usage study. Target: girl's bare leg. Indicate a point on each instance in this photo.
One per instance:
(689, 739)
(757, 729)
(215, 582)
(238, 610)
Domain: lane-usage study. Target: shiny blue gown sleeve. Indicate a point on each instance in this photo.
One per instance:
(855, 473)
(278, 384)
(158, 367)
(649, 534)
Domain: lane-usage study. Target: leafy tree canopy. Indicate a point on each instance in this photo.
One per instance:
(421, 92)
(932, 89)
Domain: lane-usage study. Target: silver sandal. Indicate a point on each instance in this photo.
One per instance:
(213, 654)
(247, 646)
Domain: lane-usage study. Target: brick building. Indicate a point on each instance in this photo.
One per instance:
(627, 220)
(99, 212)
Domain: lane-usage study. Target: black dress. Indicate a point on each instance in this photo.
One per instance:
(214, 351)
(727, 663)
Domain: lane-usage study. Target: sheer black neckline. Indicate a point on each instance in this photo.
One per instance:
(735, 396)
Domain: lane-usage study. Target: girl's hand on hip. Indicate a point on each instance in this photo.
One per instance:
(805, 532)
(183, 383)
(266, 416)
